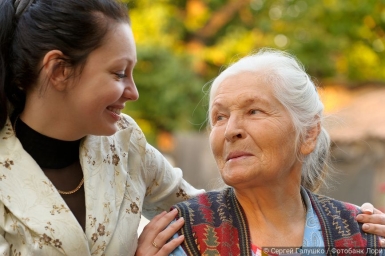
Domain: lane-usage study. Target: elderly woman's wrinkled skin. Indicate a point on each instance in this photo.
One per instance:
(249, 136)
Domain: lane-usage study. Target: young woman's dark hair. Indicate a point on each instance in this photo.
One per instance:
(31, 28)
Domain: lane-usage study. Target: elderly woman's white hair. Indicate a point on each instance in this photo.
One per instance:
(295, 90)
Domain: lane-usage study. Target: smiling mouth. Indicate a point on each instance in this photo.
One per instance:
(114, 110)
(236, 156)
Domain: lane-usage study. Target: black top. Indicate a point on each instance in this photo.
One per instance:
(47, 152)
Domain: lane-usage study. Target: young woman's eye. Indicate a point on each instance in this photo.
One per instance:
(120, 75)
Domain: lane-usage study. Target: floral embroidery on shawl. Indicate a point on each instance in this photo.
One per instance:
(115, 156)
(152, 168)
(123, 123)
(9, 131)
(50, 240)
(15, 226)
(89, 158)
(154, 183)
(182, 193)
(14, 251)
(100, 232)
(134, 207)
(7, 163)
(58, 209)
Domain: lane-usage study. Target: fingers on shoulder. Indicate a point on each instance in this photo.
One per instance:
(375, 229)
(160, 221)
(367, 208)
(171, 246)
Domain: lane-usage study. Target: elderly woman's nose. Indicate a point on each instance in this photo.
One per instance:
(234, 129)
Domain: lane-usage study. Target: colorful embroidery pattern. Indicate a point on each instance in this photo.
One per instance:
(212, 229)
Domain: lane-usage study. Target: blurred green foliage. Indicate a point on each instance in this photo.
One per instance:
(183, 44)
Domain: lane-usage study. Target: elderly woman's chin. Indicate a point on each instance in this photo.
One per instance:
(240, 177)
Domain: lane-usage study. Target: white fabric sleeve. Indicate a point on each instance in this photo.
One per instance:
(4, 246)
(165, 184)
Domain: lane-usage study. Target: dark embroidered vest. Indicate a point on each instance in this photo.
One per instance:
(215, 224)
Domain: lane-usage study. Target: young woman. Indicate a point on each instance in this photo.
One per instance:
(75, 173)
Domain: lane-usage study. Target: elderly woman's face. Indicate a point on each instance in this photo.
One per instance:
(252, 136)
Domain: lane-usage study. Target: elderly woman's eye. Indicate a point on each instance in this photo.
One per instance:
(219, 118)
(254, 111)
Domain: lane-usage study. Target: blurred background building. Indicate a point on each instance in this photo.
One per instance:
(183, 44)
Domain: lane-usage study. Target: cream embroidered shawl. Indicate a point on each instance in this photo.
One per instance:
(124, 177)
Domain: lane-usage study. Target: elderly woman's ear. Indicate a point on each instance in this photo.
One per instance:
(310, 141)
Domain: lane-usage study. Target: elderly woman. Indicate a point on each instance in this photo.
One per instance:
(271, 149)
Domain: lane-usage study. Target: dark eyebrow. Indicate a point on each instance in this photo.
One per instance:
(128, 60)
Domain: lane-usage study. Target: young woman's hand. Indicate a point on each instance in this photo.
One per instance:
(154, 239)
(374, 221)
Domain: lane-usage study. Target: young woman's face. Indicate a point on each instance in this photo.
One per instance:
(98, 96)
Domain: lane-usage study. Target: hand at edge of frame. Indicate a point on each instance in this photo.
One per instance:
(374, 221)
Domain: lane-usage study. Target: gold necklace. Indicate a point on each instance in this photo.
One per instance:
(72, 191)
(60, 191)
